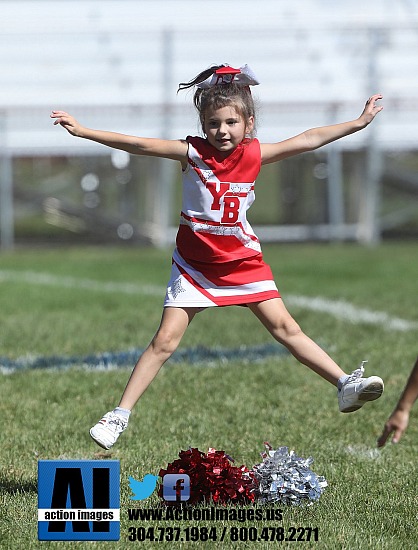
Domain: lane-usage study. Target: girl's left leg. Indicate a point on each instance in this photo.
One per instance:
(275, 317)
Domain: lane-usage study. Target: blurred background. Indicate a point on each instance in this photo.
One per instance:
(116, 65)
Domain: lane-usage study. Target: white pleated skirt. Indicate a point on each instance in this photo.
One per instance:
(202, 285)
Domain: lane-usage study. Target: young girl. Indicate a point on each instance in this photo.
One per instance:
(217, 260)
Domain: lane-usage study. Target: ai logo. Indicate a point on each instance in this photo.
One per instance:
(78, 500)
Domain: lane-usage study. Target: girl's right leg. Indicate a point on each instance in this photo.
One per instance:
(174, 323)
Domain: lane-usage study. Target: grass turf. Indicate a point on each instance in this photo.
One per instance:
(371, 501)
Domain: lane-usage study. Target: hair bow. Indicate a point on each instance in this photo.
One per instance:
(243, 76)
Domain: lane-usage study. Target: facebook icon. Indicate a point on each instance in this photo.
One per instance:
(176, 487)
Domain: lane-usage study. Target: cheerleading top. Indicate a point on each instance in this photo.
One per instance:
(217, 193)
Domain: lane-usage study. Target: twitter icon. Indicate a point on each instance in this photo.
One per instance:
(142, 489)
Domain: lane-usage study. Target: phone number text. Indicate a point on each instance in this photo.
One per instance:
(195, 534)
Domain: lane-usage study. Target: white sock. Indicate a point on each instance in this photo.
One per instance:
(342, 380)
(124, 413)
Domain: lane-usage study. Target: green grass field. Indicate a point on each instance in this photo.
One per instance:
(75, 302)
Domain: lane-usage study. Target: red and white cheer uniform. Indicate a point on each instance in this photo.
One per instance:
(218, 260)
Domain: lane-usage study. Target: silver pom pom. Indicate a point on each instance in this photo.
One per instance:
(286, 478)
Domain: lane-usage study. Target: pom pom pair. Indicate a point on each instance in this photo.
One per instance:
(282, 477)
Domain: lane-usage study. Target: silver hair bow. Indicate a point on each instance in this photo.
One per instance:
(243, 76)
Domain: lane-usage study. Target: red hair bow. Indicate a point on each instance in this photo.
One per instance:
(243, 76)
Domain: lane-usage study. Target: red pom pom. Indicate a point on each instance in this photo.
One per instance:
(212, 477)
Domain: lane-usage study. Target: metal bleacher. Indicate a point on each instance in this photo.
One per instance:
(122, 61)
(116, 65)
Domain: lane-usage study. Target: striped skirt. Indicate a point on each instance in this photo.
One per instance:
(238, 282)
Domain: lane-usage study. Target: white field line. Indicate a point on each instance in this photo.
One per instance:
(348, 312)
(337, 308)
(46, 279)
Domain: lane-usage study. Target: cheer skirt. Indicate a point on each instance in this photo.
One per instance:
(239, 282)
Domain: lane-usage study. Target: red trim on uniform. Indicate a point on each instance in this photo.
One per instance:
(217, 224)
(213, 248)
(196, 285)
(230, 300)
(248, 299)
(230, 168)
(235, 273)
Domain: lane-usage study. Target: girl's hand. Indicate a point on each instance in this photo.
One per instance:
(68, 122)
(371, 109)
(397, 422)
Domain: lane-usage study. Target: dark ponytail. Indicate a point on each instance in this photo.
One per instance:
(199, 78)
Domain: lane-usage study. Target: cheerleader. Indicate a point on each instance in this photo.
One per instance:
(217, 260)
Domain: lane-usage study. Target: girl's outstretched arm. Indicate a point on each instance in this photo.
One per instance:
(172, 149)
(317, 137)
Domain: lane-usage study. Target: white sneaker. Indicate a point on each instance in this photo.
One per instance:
(357, 390)
(106, 432)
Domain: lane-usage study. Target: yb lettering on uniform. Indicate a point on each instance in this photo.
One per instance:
(224, 196)
(78, 500)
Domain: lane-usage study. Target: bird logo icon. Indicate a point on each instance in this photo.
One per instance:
(142, 489)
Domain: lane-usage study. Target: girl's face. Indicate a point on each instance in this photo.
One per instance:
(225, 128)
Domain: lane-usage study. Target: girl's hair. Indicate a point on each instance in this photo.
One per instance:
(221, 95)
